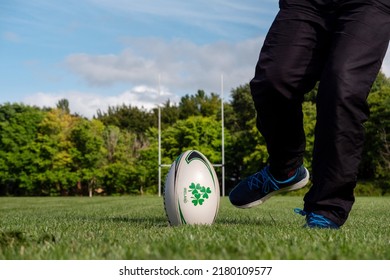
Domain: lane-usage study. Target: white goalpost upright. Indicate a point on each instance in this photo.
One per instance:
(223, 138)
(222, 164)
(159, 135)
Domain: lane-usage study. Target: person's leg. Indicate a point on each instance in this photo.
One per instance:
(289, 66)
(359, 43)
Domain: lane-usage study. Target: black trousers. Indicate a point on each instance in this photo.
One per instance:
(340, 43)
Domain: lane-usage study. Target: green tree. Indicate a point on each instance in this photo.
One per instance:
(87, 153)
(18, 132)
(199, 104)
(120, 175)
(194, 133)
(63, 105)
(309, 123)
(256, 157)
(241, 118)
(147, 164)
(246, 148)
(376, 157)
(169, 114)
(127, 117)
(55, 174)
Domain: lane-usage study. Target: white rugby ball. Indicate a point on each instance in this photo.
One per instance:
(191, 193)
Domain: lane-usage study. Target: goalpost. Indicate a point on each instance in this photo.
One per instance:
(221, 165)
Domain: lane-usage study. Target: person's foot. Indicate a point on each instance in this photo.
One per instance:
(257, 188)
(314, 220)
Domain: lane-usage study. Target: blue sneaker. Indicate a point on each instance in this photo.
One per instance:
(314, 220)
(256, 189)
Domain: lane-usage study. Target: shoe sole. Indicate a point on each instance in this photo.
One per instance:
(296, 186)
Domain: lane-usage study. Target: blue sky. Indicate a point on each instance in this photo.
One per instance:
(98, 53)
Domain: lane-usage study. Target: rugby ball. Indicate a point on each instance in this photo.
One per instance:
(191, 191)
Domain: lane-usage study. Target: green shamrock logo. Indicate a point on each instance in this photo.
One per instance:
(199, 193)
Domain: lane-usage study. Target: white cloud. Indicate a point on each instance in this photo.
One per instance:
(184, 66)
(87, 104)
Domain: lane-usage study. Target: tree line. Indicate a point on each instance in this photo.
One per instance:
(49, 151)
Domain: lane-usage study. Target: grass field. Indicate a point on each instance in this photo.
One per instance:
(136, 228)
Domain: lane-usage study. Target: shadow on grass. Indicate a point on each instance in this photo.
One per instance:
(246, 221)
(163, 222)
(139, 221)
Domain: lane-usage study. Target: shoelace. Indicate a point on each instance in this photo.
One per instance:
(315, 220)
(263, 180)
